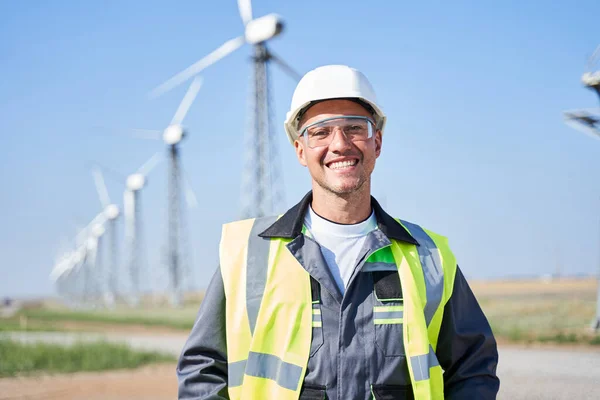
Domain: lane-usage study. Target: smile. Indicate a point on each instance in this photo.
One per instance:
(342, 164)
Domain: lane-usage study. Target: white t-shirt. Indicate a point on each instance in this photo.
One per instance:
(340, 244)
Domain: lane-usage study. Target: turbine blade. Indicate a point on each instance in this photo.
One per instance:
(190, 196)
(150, 164)
(54, 275)
(60, 267)
(194, 69)
(108, 173)
(593, 60)
(65, 267)
(585, 120)
(84, 233)
(63, 273)
(286, 68)
(101, 187)
(245, 7)
(187, 101)
(590, 131)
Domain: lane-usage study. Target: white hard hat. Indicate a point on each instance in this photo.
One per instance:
(331, 82)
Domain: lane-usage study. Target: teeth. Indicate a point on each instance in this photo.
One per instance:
(342, 164)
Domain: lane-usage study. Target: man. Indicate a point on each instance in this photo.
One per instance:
(336, 299)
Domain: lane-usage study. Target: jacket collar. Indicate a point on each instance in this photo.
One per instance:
(290, 224)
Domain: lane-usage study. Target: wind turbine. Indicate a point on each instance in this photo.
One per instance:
(588, 121)
(172, 137)
(73, 273)
(131, 207)
(261, 189)
(111, 212)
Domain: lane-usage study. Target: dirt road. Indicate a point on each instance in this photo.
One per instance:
(155, 382)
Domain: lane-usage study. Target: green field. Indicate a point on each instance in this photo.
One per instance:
(23, 359)
(166, 317)
(50, 316)
(556, 311)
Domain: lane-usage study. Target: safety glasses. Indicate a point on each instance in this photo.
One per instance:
(355, 127)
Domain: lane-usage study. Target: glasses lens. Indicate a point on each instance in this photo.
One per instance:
(354, 128)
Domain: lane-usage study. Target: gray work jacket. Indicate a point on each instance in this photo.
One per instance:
(350, 356)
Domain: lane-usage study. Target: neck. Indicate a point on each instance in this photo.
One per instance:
(350, 208)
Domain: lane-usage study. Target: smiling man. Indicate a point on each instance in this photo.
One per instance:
(336, 299)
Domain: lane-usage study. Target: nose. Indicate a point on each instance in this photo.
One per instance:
(339, 142)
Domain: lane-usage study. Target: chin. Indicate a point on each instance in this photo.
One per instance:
(344, 187)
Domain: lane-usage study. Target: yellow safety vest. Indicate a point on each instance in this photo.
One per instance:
(269, 310)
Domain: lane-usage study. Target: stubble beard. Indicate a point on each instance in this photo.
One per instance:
(344, 191)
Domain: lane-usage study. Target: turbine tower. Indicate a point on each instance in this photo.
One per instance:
(131, 207)
(111, 213)
(262, 190)
(172, 136)
(95, 277)
(588, 121)
(179, 273)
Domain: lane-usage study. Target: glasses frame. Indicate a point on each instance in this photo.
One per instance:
(372, 127)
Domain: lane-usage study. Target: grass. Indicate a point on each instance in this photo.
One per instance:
(177, 319)
(561, 338)
(52, 317)
(558, 311)
(21, 323)
(23, 359)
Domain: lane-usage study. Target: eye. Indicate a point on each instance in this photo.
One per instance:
(319, 133)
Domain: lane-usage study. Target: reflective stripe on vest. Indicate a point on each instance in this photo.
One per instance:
(270, 315)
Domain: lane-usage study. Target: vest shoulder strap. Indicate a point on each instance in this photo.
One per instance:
(439, 267)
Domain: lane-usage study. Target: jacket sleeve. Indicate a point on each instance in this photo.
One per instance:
(466, 348)
(202, 366)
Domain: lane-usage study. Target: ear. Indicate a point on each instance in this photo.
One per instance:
(378, 139)
(299, 147)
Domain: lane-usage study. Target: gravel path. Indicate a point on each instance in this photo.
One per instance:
(549, 373)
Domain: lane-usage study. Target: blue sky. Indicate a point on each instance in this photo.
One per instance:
(475, 147)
